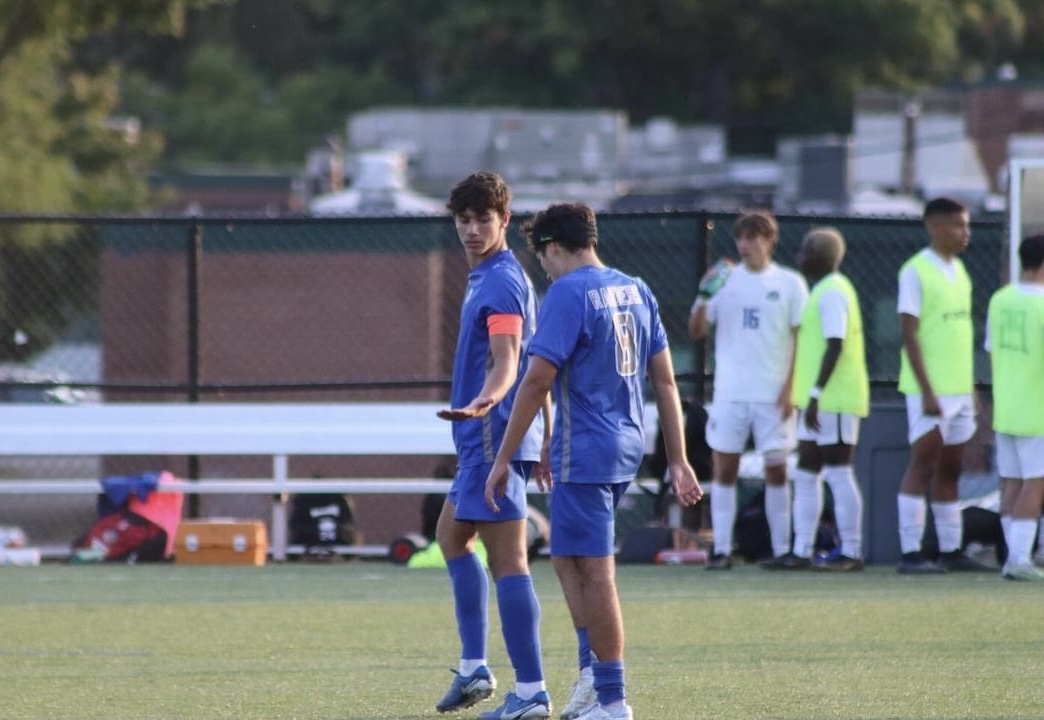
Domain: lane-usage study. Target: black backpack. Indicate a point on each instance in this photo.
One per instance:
(320, 521)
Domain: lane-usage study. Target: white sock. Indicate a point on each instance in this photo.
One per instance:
(1006, 529)
(948, 525)
(808, 506)
(1022, 534)
(723, 516)
(912, 511)
(777, 510)
(527, 690)
(848, 508)
(467, 667)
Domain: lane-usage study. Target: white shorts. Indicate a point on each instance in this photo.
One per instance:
(834, 429)
(729, 425)
(956, 424)
(1020, 458)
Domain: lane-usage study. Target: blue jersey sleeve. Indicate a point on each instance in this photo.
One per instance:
(559, 325)
(507, 296)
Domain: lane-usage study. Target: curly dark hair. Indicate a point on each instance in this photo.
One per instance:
(571, 225)
(480, 192)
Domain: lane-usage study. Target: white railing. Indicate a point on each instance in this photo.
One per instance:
(277, 430)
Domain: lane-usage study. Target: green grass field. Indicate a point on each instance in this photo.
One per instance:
(365, 639)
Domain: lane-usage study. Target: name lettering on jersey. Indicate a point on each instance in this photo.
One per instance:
(615, 296)
(955, 315)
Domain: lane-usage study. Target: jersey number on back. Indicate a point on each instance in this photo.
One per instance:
(1012, 331)
(626, 344)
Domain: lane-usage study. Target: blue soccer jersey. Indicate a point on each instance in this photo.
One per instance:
(599, 327)
(497, 286)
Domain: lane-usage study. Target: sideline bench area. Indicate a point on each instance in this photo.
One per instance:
(277, 430)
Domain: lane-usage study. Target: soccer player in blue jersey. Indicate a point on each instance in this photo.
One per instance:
(598, 336)
(497, 320)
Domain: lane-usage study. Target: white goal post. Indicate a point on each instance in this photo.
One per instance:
(1025, 206)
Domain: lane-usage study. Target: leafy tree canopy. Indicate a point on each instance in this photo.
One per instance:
(64, 150)
(260, 81)
(293, 71)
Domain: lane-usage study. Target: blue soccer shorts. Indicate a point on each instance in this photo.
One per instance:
(583, 518)
(468, 493)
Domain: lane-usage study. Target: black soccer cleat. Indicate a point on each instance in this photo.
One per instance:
(719, 561)
(914, 563)
(957, 561)
(787, 561)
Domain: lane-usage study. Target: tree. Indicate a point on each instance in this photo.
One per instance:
(58, 109)
(65, 152)
(27, 20)
(761, 67)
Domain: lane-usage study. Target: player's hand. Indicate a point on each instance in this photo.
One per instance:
(542, 471)
(812, 415)
(542, 476)
(479, 407)
(715, 277)
(930, 404)
(686, 487)
(496, 485)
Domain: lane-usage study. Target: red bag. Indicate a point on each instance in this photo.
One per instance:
(125, 536)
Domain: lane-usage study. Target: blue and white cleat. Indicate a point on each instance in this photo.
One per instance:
(467, 690)
(537, 707)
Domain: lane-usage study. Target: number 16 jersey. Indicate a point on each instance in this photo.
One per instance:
(754, 314)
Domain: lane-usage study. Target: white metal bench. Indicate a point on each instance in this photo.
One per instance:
(278, 430)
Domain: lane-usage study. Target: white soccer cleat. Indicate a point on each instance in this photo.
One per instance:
(618, 711)
(581, 698)
(1029, 572)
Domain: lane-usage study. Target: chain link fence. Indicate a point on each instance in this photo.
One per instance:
(104, 309)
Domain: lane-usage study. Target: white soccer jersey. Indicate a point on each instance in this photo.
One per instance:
(833, 313)
(754, 315)
(909, 302)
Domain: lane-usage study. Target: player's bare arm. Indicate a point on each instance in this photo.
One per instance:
(711, 282)
(504, 350)
(784, 402)
(542, 472)
(826, 369)
(531, 396)
(699, 326)
(686, 485)
(908, 327)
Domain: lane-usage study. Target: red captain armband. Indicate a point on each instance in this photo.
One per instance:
(504, 325)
